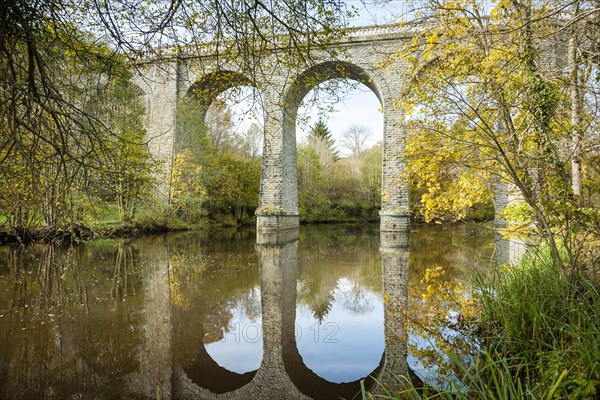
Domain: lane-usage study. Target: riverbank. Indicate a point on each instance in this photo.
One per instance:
(80, 233)
(111, 228)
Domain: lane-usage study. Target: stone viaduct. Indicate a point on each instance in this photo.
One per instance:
(360, 58)
(282, 374)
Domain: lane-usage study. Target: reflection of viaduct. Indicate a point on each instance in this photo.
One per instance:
(283, 88)
(282, 373)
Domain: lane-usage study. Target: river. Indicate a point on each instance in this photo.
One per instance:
(209, 316)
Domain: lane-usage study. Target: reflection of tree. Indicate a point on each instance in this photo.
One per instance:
(432, 318)
(462, 249)
(330, 255)
(439, 301)
(356, 301)
(126, 259)
(250, 302)
(65, 329)
(319, 297)
(216, 323)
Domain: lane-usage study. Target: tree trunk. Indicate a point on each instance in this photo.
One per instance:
(576, 109)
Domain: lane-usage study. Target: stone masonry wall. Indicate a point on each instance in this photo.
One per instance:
(159, 83)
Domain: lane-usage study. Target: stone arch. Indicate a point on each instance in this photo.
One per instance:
(394, 200)
(209, 86)
(318, 74)
(279, 178)
(137, 90)
(206, 89)
(141, 84)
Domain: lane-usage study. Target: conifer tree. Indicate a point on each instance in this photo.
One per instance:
(320, 136)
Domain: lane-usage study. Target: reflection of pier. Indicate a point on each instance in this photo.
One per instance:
(509, 251)
(154, 375)
(394, 259)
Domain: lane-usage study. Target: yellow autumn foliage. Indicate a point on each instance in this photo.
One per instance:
(439, 167)
(443, 303)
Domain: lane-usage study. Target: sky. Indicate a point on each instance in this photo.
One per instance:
(358, 106)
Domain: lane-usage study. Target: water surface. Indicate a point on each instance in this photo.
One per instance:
(205, 316)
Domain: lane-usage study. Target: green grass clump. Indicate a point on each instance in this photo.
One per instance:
(548, 320)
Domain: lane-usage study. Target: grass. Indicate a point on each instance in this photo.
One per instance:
(105, 222)
(540, 330)
(149, 220)
(550, 321)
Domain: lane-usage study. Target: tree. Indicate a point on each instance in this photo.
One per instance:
(311, 180)
(252, 141)
(370, 176)
(320, 137)
(355, 138)
(57, 56)
(188, 189)
(130, 167)
(192, 131)
(32, 32)
(320, 130)
(218, 171)
(65, 158)
(232, 184)
(487, 90)
(52, 68)
(219, 125)
(442, 168)
(582, 59)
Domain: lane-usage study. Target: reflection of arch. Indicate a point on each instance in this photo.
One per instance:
(283, 373)
(312, 385)
(509, 251)
(206, 373)
(200, 319)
